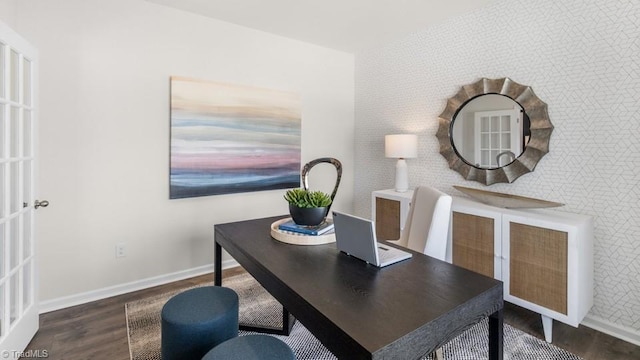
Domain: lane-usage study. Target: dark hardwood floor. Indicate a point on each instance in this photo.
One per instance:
(98, 330)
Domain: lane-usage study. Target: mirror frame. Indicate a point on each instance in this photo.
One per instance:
(537, 147)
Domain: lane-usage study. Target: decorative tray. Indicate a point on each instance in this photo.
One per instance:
(506, 201)
(294, 238)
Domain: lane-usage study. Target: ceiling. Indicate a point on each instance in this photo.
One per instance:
(345, 25)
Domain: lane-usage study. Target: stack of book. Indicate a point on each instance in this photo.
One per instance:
(323, 228)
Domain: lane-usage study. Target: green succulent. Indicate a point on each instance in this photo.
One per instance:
(295, 196)
(307, 199)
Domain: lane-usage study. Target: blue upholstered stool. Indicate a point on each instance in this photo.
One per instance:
(251, 347)
(196, 320)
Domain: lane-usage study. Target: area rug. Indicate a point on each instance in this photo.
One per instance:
(257, 307)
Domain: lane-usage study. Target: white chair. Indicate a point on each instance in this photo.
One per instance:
(427, 226)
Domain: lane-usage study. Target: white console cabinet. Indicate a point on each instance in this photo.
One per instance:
(544, 257)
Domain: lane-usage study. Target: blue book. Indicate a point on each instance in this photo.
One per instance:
(325, 227)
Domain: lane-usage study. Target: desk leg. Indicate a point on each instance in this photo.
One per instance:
(287, 319)
(496, 335)
(217, 265)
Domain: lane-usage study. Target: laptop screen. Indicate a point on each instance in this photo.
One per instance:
(356, 237)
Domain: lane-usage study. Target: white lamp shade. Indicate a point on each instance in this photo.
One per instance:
(403, 146)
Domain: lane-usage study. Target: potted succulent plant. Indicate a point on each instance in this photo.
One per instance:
(307, 207)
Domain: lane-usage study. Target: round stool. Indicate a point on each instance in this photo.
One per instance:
(251, 347)
(196, 320)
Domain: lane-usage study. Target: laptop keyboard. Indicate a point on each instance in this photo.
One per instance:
(385, 254)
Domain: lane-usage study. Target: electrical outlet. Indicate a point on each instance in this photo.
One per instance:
(121, 250)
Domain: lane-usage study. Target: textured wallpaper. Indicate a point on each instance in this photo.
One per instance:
(583, 59)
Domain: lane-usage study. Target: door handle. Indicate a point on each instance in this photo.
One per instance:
(38, 203)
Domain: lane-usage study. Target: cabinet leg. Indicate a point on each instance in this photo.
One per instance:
(547, 325)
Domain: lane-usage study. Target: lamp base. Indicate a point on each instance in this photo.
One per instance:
(402, 176)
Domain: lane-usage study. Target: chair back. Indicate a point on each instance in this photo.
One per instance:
(427, 226)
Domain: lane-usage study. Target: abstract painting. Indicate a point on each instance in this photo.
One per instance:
(232, 138)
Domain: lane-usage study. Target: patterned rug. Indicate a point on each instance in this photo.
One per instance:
(257, 307)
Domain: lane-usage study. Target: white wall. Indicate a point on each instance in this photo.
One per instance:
(8, 12)
(581, 58)
(104, 133)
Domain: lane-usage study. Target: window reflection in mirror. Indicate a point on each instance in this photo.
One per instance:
(490, 131)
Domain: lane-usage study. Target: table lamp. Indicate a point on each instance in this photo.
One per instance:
(401, 146)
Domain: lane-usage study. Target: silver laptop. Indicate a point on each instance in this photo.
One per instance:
(356, 236)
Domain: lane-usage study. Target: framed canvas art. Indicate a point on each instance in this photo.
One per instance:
(229, 138)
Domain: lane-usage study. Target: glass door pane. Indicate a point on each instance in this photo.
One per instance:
(27, 294)
(3, 189)
(3, 251)
(14, 76)
(14, 186)
(495, 124)
(506, 141)
(14, 299)
(506, 123)
(14, 242)
(27, 133)
(14, 126)
(485, 124)
(26, 236)
(2, 323)
(26, 82)
(3, 130)
(27, 169)
(495, 141)
(2, 67)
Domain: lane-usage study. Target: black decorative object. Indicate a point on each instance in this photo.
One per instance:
(310, 208)
(307, 167)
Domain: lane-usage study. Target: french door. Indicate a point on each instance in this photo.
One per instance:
(498, 133)
(18, 276)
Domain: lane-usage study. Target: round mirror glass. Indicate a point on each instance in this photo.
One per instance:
(490, 131)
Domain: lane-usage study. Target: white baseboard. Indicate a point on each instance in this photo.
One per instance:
(621, 332)
(93, 295)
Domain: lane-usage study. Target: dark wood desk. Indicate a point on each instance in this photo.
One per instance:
(359, 311)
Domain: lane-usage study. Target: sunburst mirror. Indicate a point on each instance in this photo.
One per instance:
(494, 131)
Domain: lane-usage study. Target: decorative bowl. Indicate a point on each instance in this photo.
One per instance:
(307, 216)
(506, 201)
